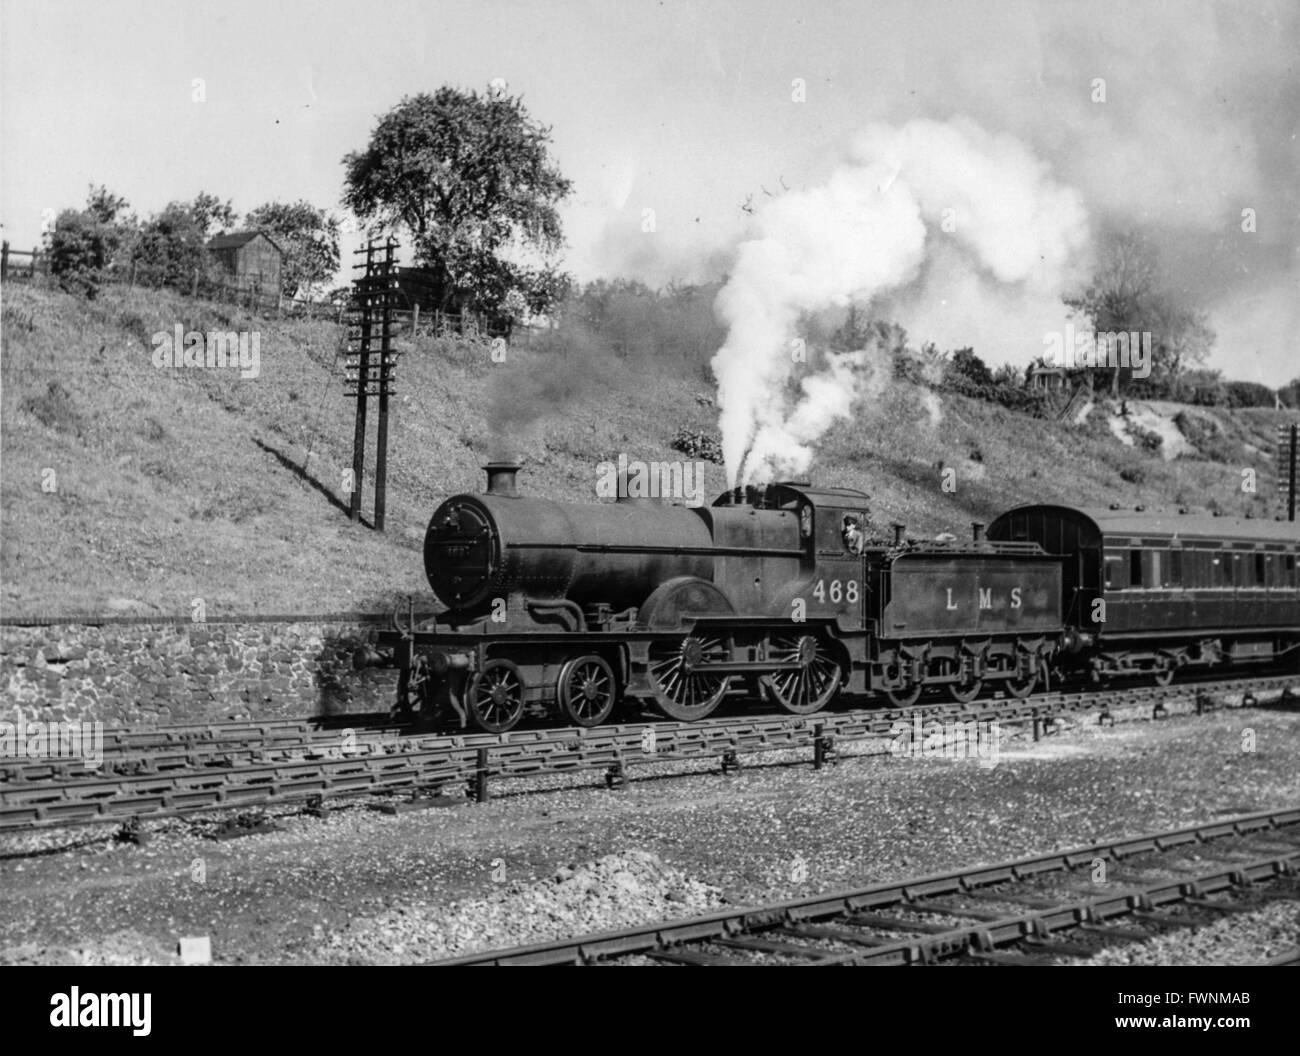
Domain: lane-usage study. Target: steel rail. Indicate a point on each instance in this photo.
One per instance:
(379, 766)
(859, 921)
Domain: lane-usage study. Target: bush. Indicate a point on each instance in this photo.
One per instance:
(55, 410)
(80, 249)
(1145, 439)
(696, 444)
(1249, 394)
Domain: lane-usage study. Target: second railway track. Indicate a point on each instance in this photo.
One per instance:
(1038, 910)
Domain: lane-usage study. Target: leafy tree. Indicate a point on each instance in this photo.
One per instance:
(1129, 294)
(309, 239)
(84, 242)
(470, 178)
(80, 249)
(172, 244)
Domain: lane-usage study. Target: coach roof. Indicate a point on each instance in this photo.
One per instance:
(1137, 523)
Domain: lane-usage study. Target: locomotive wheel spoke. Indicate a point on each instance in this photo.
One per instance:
(496, 696)
(682, 690)
(810, 688)
(586, 690)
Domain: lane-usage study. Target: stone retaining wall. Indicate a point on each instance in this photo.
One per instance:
(133, 673)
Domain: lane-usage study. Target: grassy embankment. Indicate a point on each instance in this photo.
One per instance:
(180, 484)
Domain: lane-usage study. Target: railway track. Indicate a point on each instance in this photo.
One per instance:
(133, 750)
(226, 772)
(1032, 911)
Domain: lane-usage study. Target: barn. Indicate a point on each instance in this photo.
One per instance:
(250, 258)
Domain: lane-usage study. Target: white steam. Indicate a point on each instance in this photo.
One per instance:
(944, 225)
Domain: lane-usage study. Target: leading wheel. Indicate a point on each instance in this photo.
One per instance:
(683, 687)
(586, 690)
(496, 696)
(811, 687)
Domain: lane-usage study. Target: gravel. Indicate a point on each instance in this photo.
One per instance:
(612, 892)
(1242, 938)
(357, 884)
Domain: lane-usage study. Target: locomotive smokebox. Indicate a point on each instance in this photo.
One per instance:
(501, 479)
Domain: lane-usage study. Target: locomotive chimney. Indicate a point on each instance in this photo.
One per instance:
(501, 479)
(899, 529)
(977, 531)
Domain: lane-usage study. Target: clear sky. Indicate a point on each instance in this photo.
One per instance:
(687, 108)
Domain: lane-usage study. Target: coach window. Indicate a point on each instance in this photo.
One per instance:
(1260, 579)
(1216, 573)
(1135, 569)
(1113, 564)
(1174, 568)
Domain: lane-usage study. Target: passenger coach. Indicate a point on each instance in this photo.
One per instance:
(1149, 593)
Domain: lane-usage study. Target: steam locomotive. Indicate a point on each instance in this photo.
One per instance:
(775, 591)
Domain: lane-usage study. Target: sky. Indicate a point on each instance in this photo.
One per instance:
(689, 109)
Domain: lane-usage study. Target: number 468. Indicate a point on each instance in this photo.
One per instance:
(837, 591)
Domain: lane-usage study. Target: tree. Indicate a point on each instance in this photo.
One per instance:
(1128, 294)
(172, 244)
(308, 238)
(83, 242)
(469, 177)
(1114, 301)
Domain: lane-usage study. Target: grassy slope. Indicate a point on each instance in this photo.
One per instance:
(180, 484)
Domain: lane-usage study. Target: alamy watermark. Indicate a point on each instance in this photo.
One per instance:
(215, 350)
(53, 740)
(1088, 349)
(635, 479)
(946, 740)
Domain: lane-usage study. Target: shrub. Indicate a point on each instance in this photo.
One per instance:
(697, 444)
(80, 249)
(1145, 439)
(55, 410)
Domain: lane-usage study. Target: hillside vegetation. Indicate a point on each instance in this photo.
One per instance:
(170, 485)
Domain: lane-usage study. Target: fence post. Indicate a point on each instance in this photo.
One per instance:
(415, 318)
(4, 262)
(36, 259)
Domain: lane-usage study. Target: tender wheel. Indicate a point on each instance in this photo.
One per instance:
(682, 691)
(904, 696)
(811, 687)
(965, 692)
(586, 691)
(1021, 688)
(961, 692)
(496, 696)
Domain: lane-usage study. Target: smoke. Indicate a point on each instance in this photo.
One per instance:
(551, 381)
(938, 222)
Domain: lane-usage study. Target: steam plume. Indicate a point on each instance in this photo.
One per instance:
(922, 217)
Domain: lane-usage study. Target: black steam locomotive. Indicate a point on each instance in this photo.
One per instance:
(774, 591)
